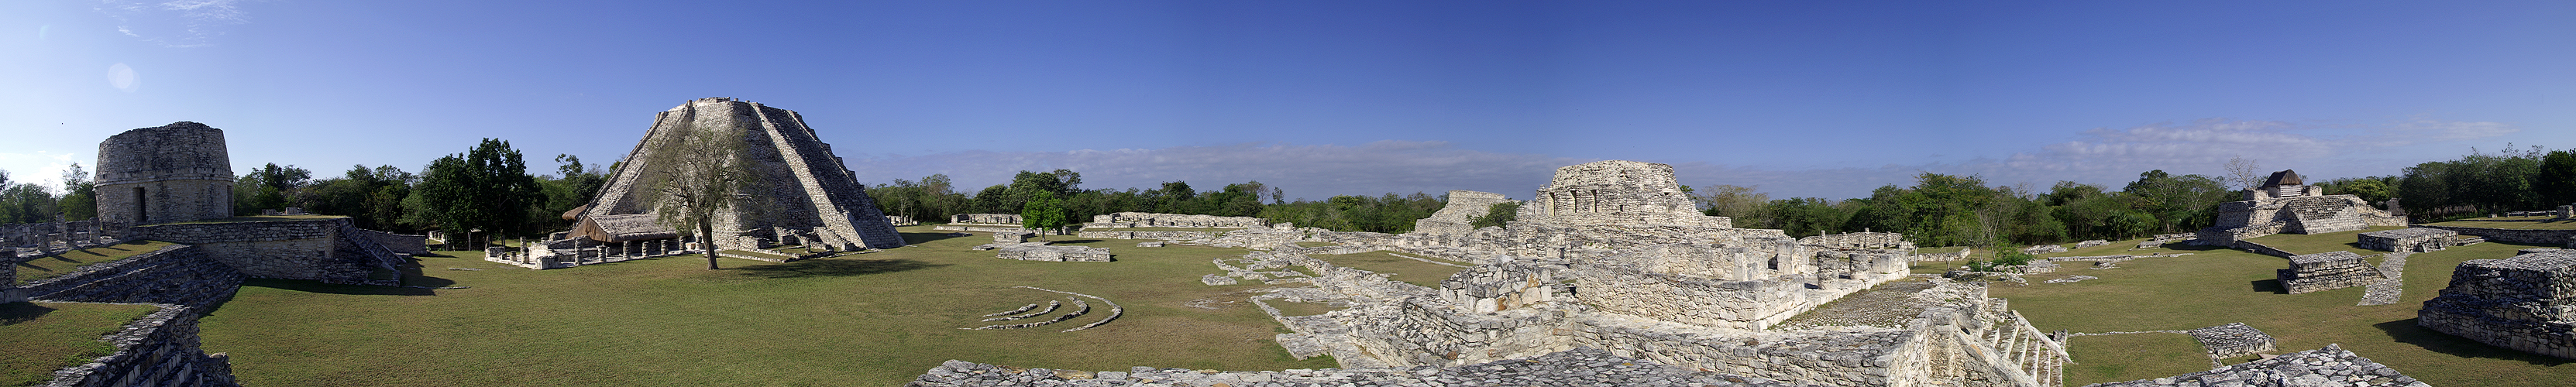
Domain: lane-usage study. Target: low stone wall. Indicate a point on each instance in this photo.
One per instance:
(181, 275)
(1149, 219)
(951, 227)
(985, 218)
(2259, 248)
(1042, 252)
(2566, 238)
(159, 349)
(2326, 271)
(1161, 235)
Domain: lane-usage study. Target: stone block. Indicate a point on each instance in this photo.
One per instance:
(2527, 303)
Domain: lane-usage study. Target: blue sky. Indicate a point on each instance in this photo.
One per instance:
(1820, 99)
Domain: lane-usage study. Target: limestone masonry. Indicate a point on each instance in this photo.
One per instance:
(1463, 207)
(1148, 219)
(811, 198)
(2411, 240)
(2326, 271)
(2285, 204)
(173, 173)
(2526, 303)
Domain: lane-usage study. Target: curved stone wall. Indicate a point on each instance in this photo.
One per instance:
(172, 173)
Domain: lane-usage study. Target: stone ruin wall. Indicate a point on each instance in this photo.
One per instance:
(1860, 240)
(2329, 366)
(2411, 240)
(2564, 238)
(2241, 220)
(1616, 192)
(181, 275)
(2527, 303)
(1149, 219)
(160, 349)
(1459, 214)
(173, 173)
(2326, 271)
(1009, 219)
(329, 250)
(801, 185)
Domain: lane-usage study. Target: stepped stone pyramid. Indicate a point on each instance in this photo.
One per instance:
(811, 199)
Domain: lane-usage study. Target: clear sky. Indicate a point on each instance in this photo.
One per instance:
(1799, 98)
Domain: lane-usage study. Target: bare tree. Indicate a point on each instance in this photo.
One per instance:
(694, 172)
(2244, 172)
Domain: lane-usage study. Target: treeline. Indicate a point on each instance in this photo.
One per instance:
(934, 198)
(1949, 210)
(2477, 184)
(486, 188)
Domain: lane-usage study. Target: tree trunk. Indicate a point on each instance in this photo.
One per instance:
(706, 234)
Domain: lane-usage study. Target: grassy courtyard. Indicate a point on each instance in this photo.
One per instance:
(2219, 286)
(46, 336)
(2525, 225)
(869, 319)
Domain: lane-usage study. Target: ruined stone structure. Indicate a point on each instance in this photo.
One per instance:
(330, 250)
(2232, 340)
(900, 220)
(2326, 271)
(996, 219)
(1458, 215)
(2527, 303)
(2285, 204)
(2329, 366)
(1149, 219)
(1612, 256)
(159, 349)
(1616, 192)
(172, 173)
(1034, 251)
(2410, 240)
(802, 193)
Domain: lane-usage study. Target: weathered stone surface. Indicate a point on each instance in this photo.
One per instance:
(1002, 219)
(2412, 240)
(2287, 206)
(1860, 240)
(159, 349)
(1616, 192)
(2565, 238)
(2043, 249)
(802, 184)
(2329, 366)
(1149, 219)
(330, 250)
(1039, 251)
(2232, 340)
(172, 173)
(1462, 209)
(2326, 271)
(2526, 303)
(1162, 235)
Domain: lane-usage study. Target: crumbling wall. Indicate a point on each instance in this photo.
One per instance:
(2565, 238)
(1457, 216)
(1149, 219)
(180, 275)
(2329, 366)
(2527, 303)
(1162, 235)
(1859, 240)
(2411, 240)
(1010, 219)
(326, 250)
(2326, 271)
(159, 349)
(1616, 192)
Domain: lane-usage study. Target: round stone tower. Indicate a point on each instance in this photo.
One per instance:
(173, 173)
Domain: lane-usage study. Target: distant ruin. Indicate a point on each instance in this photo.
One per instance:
(172, 173)
(2286, 204)
(2326, 271)
(1462, 209)
(802, 196)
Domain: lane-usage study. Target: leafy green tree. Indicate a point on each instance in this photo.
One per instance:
(1496, 215)
(80, 195)
(486, 188)
(2556, 180)
(1044, 213)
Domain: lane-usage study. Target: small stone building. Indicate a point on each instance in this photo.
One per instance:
(173, 173)
(1009, 219)
(1617, 193)
(2326, 271)
(2285, 204)
(2527, 303)
(2411, 240)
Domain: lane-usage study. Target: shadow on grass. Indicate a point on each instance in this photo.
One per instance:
(318, 287)
(832, 268)
(18, 312)
(2405, 331)
(2270, 286)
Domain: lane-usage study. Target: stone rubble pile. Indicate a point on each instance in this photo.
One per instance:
(2232, 340)
(2329, 366)
(1578, 367)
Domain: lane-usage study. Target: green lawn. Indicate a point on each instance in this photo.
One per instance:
(2319, 243)
(57, 265)
(41, 337)
(2553, 225)
(1402, 269)
(874, 319)
(2216, 286)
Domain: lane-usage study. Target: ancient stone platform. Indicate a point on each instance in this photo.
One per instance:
(809, 198)
(2326, 271)
(2527, 303)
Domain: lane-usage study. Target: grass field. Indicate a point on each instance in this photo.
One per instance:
(2319, 243)
(874, 319)
(49, 267)
(2218, 286)
(45, 336)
